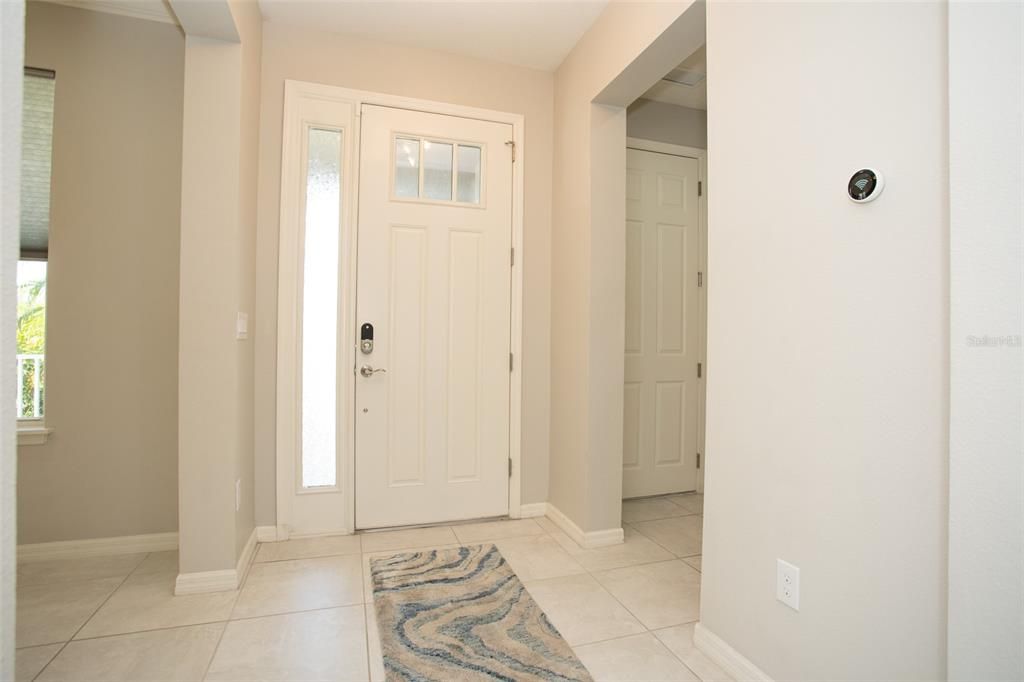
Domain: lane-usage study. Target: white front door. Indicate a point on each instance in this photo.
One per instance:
(662, 324)
(434, 282)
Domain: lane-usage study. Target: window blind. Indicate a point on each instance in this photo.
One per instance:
(36, 161)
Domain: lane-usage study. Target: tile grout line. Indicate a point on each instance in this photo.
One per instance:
(213, 654)
(366, 643)
(676, 558)
(363, 564)
(663, 546)
(677, 656)
(647, 630)
(148, 630)
(91, 616)
(207, 622)
(592, 575)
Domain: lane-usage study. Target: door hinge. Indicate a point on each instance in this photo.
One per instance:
(510, 467)
(510, 362)
(698, 460)
(700, 188)
(700, 369)
(512, 145)
(700, 279)
(512, 258)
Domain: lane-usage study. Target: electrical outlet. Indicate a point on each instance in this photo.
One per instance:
(787, 585)
(238, 495)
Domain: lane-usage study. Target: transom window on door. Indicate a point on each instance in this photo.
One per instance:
(436, 170)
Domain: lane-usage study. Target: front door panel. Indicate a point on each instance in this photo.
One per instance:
(434, 281)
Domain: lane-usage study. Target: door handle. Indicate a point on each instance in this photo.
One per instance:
(368, 371)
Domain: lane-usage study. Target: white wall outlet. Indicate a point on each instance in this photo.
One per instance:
(242, 326)
(238, 495)
(787, 585)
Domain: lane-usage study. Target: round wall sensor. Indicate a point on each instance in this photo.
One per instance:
(865, 185)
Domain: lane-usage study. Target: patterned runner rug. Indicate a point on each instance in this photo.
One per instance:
(462, 614)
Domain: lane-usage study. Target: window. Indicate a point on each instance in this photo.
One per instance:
(37, 154)
(437, 171)
(31, 338)
(320, 309)
(469, 174)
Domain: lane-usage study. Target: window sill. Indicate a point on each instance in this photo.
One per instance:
(33, 435)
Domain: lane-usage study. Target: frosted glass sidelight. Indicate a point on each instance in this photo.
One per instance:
(469, 175)
(320, 309)
(407, 168)
(437, 170)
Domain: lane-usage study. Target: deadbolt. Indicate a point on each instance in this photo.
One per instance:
(366, 338)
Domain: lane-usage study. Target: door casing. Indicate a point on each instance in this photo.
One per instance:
(289, 318)
(702, 314)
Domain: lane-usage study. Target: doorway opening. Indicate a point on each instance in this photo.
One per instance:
(663, 453)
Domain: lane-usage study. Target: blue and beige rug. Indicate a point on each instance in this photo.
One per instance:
(462, 614)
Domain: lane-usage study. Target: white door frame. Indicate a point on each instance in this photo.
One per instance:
(702, 238)
(289, 320)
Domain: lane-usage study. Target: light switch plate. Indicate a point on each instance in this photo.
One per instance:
(242, 326)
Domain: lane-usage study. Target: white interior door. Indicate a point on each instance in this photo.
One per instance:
(662, 324)
(434, 281)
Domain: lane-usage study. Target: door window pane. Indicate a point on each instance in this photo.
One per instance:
(320, 309)
(469, 175)
(407, 167)
(437, 170)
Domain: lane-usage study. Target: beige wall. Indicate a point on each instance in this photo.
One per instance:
(210, 357)
(249, 22)
(110, 467)
(351, 62)
(628, 48)
(828, 339)
(986, 442)
(217, 282)
(12, 35)
(661, 122)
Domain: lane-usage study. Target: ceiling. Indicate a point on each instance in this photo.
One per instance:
(695, 97)
(153, 10)
(533, 33)
(527, 33)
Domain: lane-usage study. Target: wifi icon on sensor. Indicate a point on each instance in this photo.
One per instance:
(865, 185)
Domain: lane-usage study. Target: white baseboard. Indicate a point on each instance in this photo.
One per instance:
(223, 580)
(587, 540)
(202, 582)
(735, 664)
(246, 557)
(532, 510)
(76, 549)
(266, 533)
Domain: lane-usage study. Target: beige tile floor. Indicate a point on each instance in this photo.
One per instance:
(305, 611)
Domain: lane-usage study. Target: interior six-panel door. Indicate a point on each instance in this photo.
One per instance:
(434, 285)
(662, 324)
